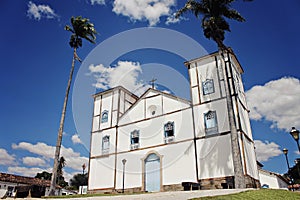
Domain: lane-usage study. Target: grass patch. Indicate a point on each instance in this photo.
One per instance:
(261, 194)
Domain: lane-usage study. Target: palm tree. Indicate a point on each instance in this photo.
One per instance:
(214, 25)
(60, 178)
(81, 29)
(61, 165)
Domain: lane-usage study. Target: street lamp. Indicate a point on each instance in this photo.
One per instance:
(297, 163)
(295, 134)
(124, 162)
(83, 168)
(285, 152)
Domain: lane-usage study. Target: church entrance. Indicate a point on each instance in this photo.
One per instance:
(152, 173)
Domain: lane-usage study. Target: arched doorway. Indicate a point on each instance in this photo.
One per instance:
(152, 173)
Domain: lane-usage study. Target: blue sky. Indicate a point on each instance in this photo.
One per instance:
(36, 58)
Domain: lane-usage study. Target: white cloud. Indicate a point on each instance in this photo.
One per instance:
(267, 150)
(73, 159)
(76, 163)
(33, 161)
(99, 2)
(32, 171)
(144, 10)
(277, 101)
(40, 11)
(40, 148)
(125, 74)
(75, 139)
(6, 159)
(24, 171)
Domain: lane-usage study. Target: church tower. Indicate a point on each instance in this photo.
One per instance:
(212, 128)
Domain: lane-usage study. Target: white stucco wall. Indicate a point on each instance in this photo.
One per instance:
(222, 116)
(152, 101)
(175, 169)
(251, 166)
(215, 157)
(152, 130)
(96, 141)
(206, 69)
(245, 122)
(271, 179)
(101, 173)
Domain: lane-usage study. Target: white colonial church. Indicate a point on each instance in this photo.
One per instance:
(159, 142)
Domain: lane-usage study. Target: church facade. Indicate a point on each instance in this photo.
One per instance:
(159, 142)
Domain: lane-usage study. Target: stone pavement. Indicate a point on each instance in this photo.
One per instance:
(177, 195)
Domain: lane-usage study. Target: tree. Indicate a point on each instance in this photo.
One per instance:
(78, 180)
(61, 165)
(294, 172)
(213, 22)
(60, 174)
(81, 29)
(44, 175)
(60, 180)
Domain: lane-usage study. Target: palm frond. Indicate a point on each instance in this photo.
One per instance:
(68, 28)
(233, 14)
(214, 13)
(81, 29)
(191, 6)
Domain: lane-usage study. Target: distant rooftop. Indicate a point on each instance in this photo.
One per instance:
(23, 180)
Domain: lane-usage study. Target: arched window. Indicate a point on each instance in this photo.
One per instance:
(211, 123)
(208, 86)
(105, 144)
(104, 116)
(169, 132)
(134, 139)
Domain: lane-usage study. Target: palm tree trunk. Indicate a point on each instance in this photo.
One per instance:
(239, 178)
(60, 131)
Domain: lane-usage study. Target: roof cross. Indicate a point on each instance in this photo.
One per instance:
(153, 82)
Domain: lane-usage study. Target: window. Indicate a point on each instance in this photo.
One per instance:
(210, 120)
(169, 132)
(208, 86)
(104, 116)
(152, 110)
(105, 144)
(134, 139)
(237, 83)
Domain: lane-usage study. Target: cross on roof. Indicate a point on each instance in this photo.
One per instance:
(153, 82)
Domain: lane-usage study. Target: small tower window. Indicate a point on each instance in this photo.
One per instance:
(208, 86)
(237, 83)
(210, 121)
(105, 144)
(169, 132)
(134, 139)
(104, 116)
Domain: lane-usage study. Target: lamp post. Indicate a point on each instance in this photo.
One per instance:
(83, 168)
(285, 152)
(124, 162)
(297, 163)
(295, 134)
